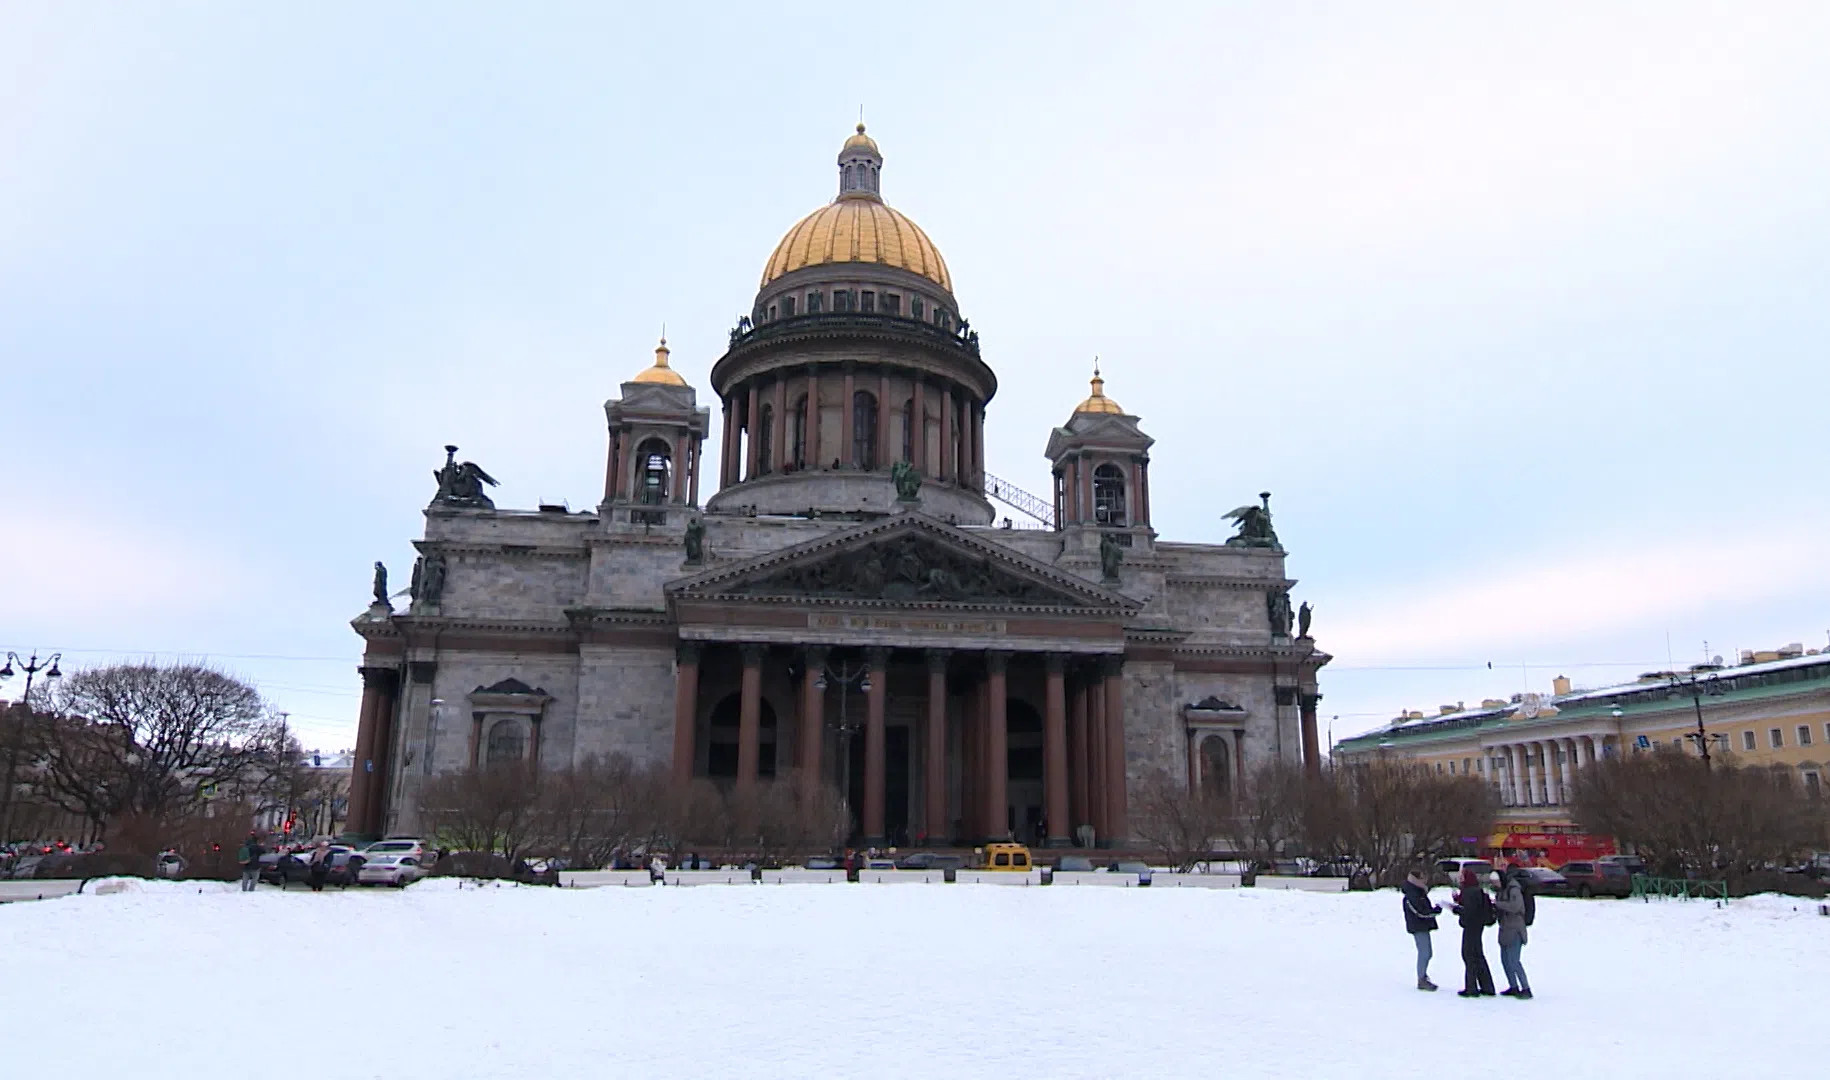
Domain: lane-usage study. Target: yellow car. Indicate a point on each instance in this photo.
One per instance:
(1013, 857)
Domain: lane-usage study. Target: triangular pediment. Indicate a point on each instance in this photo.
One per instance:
(911, 559)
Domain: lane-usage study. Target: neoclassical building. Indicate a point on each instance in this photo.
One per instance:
(842, 604)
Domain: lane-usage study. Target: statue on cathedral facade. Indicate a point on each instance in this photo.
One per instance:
(1111, 553)
(1254, 525)
(461, 484)
(907, 479)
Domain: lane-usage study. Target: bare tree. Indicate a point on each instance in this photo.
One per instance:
(494, 809)
(1179, 823)
(600, 807)
(1269, 811)
(159, 740)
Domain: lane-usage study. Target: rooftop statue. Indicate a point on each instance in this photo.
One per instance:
(462, 484)
(381, 585)
(695, 541)
(1254, 526)
(1303, 614)
(1110, 555)
(1277, 606)
(907, 480)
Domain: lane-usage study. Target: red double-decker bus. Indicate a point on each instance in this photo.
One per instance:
(1545, 844)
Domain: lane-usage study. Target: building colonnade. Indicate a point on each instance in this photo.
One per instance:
(1542, 772)
(964, 706)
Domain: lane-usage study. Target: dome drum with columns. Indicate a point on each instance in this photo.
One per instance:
(1022, 681)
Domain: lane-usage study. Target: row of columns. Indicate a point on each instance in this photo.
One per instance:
(623, 472)
(1083, 740)
(961, 435)
(1535, 776)
(1074, 500)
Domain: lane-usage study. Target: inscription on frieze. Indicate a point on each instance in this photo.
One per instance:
(906, 625)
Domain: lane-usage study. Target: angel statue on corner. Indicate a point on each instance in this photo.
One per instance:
(462, 484)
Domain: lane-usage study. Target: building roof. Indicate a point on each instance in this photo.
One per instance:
(1646, 694)
(660, 372)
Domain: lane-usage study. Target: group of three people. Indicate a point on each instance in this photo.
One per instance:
(1509, 906)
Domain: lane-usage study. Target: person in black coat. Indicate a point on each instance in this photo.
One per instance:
(1420, 922)
(1475, 911)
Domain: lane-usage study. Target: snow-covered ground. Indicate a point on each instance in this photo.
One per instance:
(885, 981)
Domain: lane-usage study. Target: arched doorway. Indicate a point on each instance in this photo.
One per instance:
(721, 745)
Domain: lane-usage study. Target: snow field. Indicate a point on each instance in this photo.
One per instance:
(440, 981)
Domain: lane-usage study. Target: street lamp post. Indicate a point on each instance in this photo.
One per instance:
(846, 676)
(24, 708)
(1701, 735)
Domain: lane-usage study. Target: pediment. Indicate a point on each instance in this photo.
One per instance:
(912, 559)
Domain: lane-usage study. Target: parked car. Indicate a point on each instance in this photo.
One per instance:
(26, 867)
(401, 845)
(824, 862)
(1011, 857)
(1547, 882)
(1131, 866)
(396, 870)
(282, 869)
(1597, 878)
(931, 860)
(1074, 864)
(1448, 871)
(343, 867)
(1633, 863)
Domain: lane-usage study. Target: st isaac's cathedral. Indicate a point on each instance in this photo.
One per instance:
(842, 604)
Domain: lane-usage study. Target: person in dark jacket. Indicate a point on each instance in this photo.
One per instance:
(1420, 922)
(250, 855)
(1475, 911)
(1509, 900)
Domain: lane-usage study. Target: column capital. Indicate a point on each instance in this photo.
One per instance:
(937, 660)
(1057, 663)
(1112, 664)
(379, 678)
(816, 655)
(877, 657)
(688, 652)
(997, 661)
(752, 653)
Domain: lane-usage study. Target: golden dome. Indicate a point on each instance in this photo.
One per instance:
(857, 227)
(861, 141)
(660, 373)
(1097, 401)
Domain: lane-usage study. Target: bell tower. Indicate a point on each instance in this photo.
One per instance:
(1101, 462)
(657, 435)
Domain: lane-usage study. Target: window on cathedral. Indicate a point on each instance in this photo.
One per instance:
(765, 461)
(867, 301)
(787, 307)
(892, 304)
(507, 742)
(1216, 766)
(771, 312)
(916, 308)
(864, 429)
(1109, 495)
(841, 299)
(816, 303)
(797, 434)
(654, 464)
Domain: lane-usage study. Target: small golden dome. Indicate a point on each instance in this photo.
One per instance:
(1097, 401)
(858, 230)
(861, 141)
(660, 372)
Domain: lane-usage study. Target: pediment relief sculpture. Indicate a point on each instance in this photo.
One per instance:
(907, 568)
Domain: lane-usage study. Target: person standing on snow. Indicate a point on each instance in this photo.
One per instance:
(1475, 912)
(1420, 922)
(250, 858)
(1509, 898)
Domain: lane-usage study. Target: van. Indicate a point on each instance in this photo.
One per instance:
(1011, 857)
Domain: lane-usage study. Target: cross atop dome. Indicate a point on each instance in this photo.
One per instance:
(1097, 401)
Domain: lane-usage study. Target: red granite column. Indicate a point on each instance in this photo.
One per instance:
(1138, 515)
(1055, 753)
(683, 446)
(1089, 508)
(381, 766)
(875, 746)
(971, 799)
(812, 419)
(1074, 515)
(1117, 815)
(694, 448)
(778, 438)
(813, 710)
(978, 446)
(1096, 758)
(918, 416)
(611, 466)
(753, 444)
(884, 456)
(935, 790)
(948, 459)
(749, 716)
(686, 709)
(362, 769)
(1077, 757)
(997, 746)
(1143, 487)
(728, 452)
(847, 438)
(1312, 744)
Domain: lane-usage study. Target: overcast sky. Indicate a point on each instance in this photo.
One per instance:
(1520, 314)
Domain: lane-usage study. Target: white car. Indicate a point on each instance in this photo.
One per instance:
(397, 846)
(390, 869)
